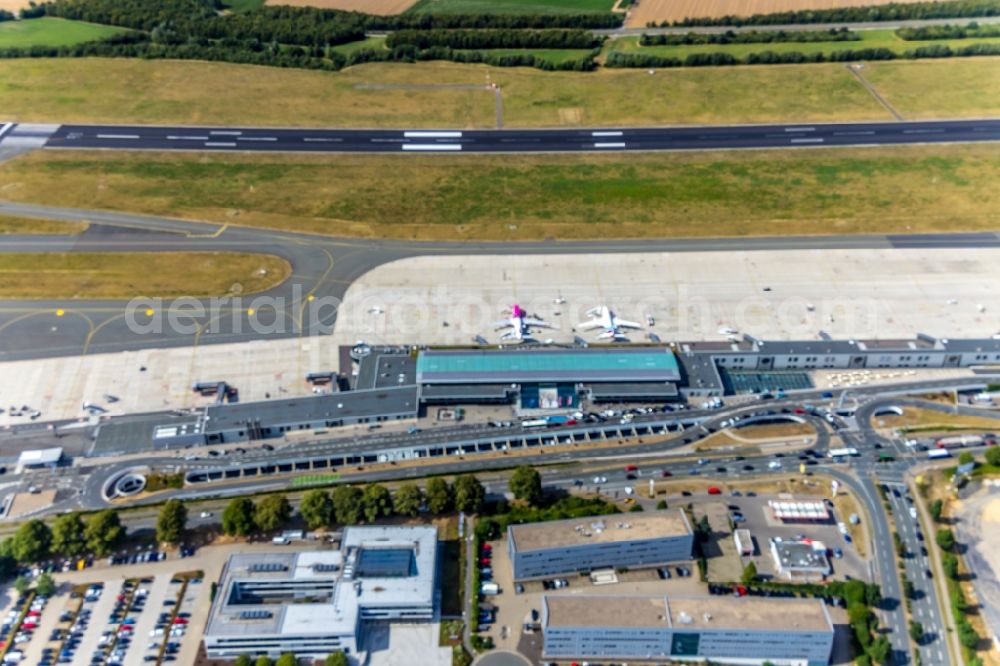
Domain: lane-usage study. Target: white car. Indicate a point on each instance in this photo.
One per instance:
(774, 464)
(600, 479)
(205, 514)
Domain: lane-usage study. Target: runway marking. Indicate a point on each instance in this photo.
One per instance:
(219, 144)
(188, 138)
(800, 129)
(257, 138)
(818, 140)
(225, 132)
(432, 146)
(117, 136)
(605, 134)
(432, 135)
(609, 145)
(312, 139)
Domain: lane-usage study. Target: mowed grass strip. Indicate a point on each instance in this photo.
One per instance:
(128, 275)
(50, 31)
(26, 225)
(399, 95)
(870, 39)
(523, 197)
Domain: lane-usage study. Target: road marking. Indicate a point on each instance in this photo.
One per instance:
(609, 145)
(117, 136)
(868, 133)
(432, 135)
(219, 144)
(800, 129)
(319, 139)
(257, 138)
(432, 146)
(187, 138)
(226, 132)
(924, 131)
(605, 134)
(818, 140)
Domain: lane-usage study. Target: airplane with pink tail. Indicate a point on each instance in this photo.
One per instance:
(519, 323)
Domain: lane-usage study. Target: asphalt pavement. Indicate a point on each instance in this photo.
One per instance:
(611, 139)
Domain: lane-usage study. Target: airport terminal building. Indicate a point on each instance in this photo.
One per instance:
(313, 603)
(723, 630)
(563, 547)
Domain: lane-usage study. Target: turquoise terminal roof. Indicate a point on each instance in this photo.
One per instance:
(615, 364)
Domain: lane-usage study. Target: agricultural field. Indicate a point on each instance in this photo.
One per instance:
(377, 7)
(870, 39)
(522, 197)
(127, 275)
(645, 11)
(511, 6)
(50, 31)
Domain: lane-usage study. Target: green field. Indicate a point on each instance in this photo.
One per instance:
(522, 197)
(371, 43)
(48, 31)
(870, 39)
(555, 56)
(511, 6)
(29, 225)
(131, 274)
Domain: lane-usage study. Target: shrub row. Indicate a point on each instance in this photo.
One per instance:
(894, 11)
(494, 39)
(751, 37)
(928, 32)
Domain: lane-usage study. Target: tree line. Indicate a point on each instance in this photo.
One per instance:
(894, 11)
(929, 32)
(751, 37)
(494, 39)
(643, 60)
(410, 53)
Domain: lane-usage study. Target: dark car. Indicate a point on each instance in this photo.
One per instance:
(748, 468)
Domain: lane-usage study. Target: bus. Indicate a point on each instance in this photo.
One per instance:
(843, 453)
(534, 423)
(938, 453)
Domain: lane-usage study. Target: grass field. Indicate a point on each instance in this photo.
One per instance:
(49, 31)
(870, 39)
(27, 225)
(554, 56)
(127, 275)
(371, 43)
(520, 197)
(511, 6)
(381, 94)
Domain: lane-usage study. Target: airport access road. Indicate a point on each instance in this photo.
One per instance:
(324, 267)
(722, 137)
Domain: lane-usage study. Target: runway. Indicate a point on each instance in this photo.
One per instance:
(324, 268)
(726, 137)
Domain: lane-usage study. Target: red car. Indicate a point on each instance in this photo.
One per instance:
(631, 468)
(485, 561)
(714, 490)
(665, 473)
(487, 547)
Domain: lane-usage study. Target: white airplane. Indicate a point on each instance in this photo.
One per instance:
(519, 323)
(603, 317)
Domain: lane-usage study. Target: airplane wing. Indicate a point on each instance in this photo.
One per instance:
(499, 325)
(511, 335)
(528, 321)
(621, 323)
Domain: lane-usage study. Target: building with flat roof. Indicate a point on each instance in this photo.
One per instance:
(313, 603)
(799, 511)
(800, 560)
(540, 550)
(729, 630)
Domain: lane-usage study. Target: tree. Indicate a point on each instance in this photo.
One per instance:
(171, 523)
(272, 512)
(950, 565)
(68, 534)
(376, 502)
(945, 540)
(469, 493)
(263, 660)
(316, 509)
(21, 584)
(965, 458)
(916, 631)
(287, 659)
(45, 585)
(347, 505)
(526, 484)
(104, 532)
(661, 505)
(237, 517)
(336, 659)
(243, 660)
(749, 574)
(993, 456)
(439, 495)
(32, 542)
(935, 508)
(636, 508)
(407, 502)
(880, 650)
